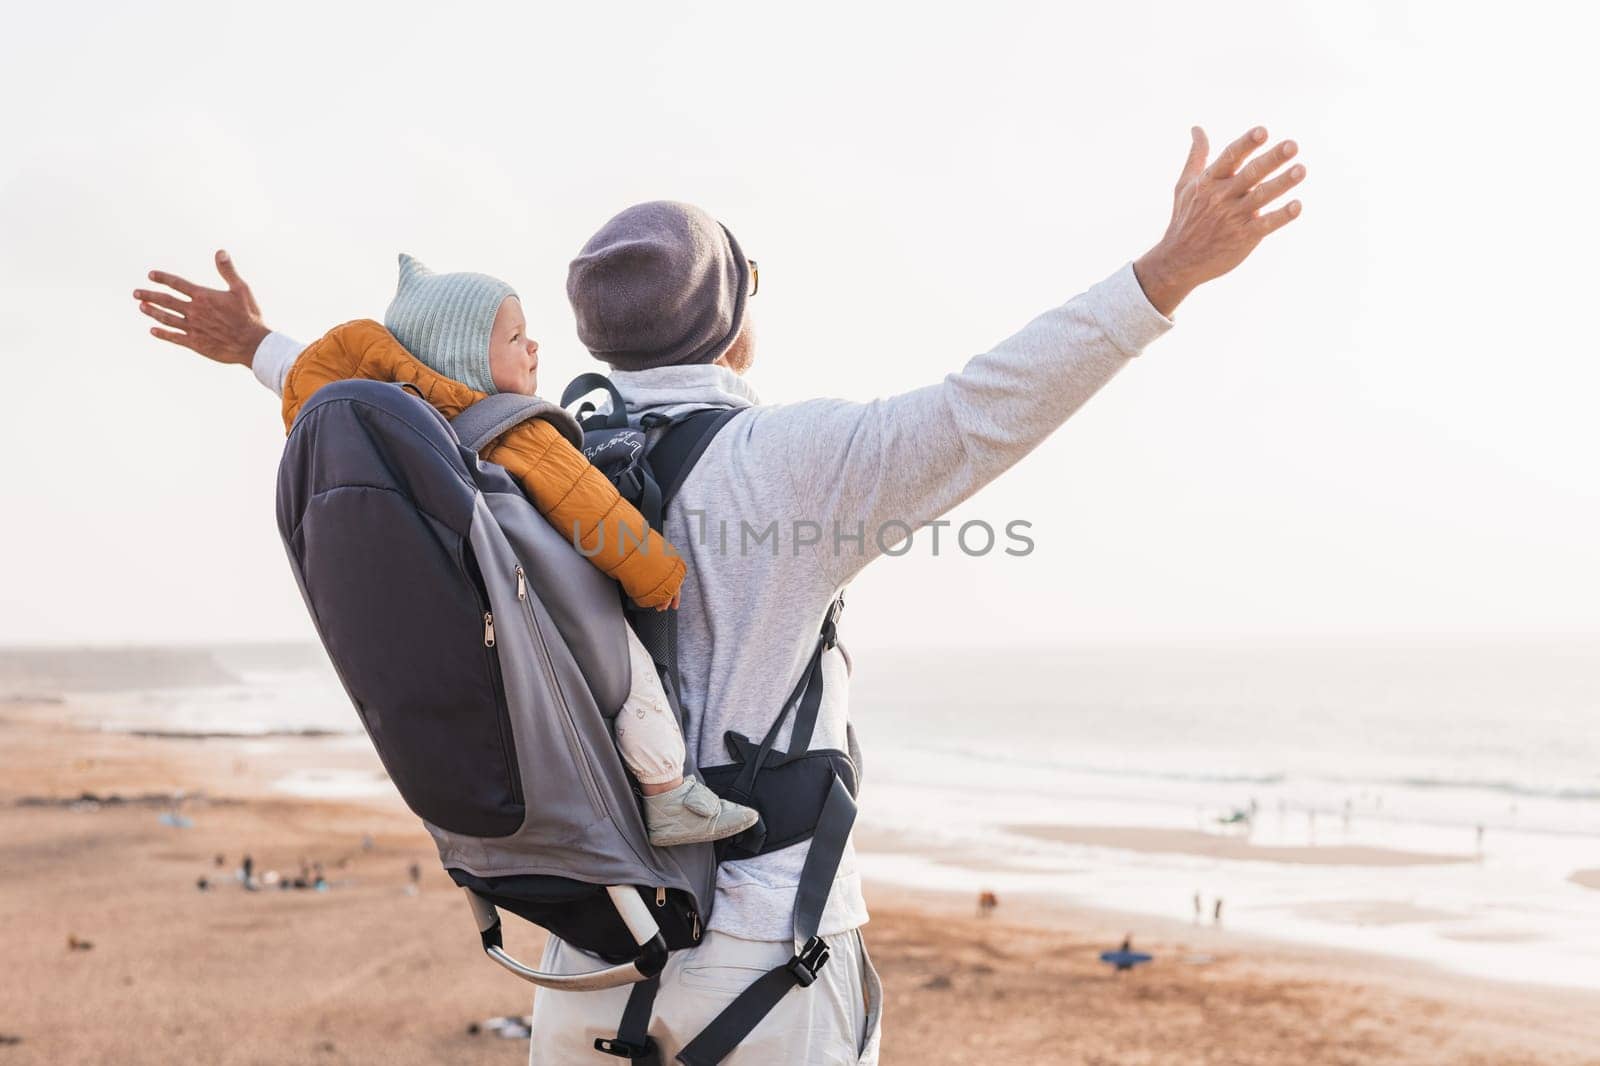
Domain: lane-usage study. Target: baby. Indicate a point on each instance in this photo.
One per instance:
(469, 335)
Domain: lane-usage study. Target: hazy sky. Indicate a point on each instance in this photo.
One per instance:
(1384, 423)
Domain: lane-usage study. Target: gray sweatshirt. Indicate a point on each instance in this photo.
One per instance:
(790, 501)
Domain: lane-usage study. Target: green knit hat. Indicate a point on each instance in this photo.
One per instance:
(446, 320)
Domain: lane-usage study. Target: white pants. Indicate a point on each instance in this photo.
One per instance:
(834, 1022)
(647, 731)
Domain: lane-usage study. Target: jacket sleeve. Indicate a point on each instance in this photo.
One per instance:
(585, 507)
(364, 349)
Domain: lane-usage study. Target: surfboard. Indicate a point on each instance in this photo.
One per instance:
(1125, 960)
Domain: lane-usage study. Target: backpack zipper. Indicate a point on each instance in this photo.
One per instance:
(694, 915)
(569, 726)
(508, 743)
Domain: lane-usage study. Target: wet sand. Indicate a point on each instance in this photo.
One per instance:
(364, 973)
(1226, 846)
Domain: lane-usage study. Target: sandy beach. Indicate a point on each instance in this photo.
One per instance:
(366, 973)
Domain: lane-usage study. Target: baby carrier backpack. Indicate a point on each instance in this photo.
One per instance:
(486, 659)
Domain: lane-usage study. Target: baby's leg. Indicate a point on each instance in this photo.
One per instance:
(647, 730)
(676, 811)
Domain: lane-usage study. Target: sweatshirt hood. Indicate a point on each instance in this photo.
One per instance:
(677, 390)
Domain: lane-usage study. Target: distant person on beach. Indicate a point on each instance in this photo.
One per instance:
(661, 294)
(1216, 912)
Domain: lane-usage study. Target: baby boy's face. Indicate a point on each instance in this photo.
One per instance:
(513, 356)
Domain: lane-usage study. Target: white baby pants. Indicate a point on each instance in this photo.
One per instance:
(647, 731)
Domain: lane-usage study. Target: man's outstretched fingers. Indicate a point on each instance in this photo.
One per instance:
(161, 299)
(1268, 191)
(180, 339)
(1217, 221)
(1199, 149)
(229, 274)
(1265, 164)
(1272, 220)
(224, 325)
(1233, 156)
(166, 318)
(172, 281)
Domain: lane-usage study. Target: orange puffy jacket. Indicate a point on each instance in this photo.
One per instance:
(574, 496)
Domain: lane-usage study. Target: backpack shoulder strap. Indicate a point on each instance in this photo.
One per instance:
(493, 415)
(739, 1018)
(680, 447)
(670, 459)
(835, 818)
(616, 417)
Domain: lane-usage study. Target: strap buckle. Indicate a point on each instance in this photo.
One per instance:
(830, 623)
(808, 962)
(622, 1049)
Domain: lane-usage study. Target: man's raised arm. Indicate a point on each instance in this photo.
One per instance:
(224, 325)
(876, 471)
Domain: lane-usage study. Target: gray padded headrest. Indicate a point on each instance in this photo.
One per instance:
(493, 415)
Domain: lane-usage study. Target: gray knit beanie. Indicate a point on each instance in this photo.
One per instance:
(661, 284)
(446, 320)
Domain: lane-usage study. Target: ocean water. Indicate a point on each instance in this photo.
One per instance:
(1485, 756)
(1414, 749)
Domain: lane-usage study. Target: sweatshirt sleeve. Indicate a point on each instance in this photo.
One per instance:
(876, 471)
(578, 500)
(274, 356)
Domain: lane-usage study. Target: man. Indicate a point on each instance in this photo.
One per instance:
(785, 506)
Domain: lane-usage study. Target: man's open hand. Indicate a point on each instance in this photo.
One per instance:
(220, 324)
(1218, 215)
